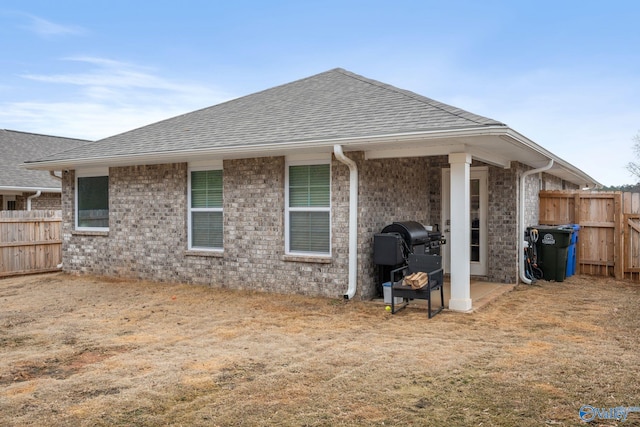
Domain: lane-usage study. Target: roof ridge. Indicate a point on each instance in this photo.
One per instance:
(420, 98)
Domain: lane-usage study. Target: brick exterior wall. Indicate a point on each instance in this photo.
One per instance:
(147, 237)
(390, 190)
(502, 223)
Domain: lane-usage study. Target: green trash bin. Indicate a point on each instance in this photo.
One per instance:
(553, 247)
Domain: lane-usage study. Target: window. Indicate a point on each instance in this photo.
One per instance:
(308, 209)
(9, 203)
(92, 202)
(205, 209)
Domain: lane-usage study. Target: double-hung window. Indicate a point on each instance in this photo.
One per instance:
(92, 200)
(205, 209)
(308, 209)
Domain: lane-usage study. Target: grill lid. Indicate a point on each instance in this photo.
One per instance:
(412, 232)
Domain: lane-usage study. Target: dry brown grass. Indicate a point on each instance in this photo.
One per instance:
(83, 351)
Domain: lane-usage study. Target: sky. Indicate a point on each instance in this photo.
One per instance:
(564, 73)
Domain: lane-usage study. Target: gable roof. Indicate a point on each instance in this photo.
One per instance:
(17, 147)
(311, 115)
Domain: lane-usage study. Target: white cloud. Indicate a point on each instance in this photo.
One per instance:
(85, 120)
(110, 97)
(47, 28)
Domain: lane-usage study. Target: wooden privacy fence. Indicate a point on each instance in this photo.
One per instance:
(30, 242)
(609, 236)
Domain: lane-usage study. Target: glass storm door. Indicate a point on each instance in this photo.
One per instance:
(477, 215)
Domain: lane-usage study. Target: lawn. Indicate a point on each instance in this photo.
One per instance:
(87, 351)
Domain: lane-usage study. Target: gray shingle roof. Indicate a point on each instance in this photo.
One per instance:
(333, 104)
(17, 147)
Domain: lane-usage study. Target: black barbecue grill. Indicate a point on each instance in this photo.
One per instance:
(396, 241)
(392, 246)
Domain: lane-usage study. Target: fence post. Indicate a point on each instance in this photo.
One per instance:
(619, 233)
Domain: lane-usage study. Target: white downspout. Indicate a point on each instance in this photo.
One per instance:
(33, 196)
(353, 220)
(523, 276)
(59, 178)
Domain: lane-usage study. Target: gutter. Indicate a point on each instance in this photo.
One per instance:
(274, 148)
(29, 189)
(33, 196)
(353, 220)
(588, 181)
(523, 276)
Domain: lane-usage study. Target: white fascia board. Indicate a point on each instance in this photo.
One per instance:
(490, 158)
(424, 151)
(577, 176)
(441, 150)
(30, 189)
(259, 150)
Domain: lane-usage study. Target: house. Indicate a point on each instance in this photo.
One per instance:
(283, 190)
(22, 189)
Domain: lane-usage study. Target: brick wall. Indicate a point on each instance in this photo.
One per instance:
(390, 190)
(147, 237)
(46, 201)
(502, 223)
(254, 257)
(147, 228)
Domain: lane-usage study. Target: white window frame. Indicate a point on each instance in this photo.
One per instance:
(193, 167)
(301, 161)
(87, 173)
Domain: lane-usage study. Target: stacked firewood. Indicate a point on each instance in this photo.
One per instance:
(416, 280)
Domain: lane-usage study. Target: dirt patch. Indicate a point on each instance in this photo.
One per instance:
(87, 351)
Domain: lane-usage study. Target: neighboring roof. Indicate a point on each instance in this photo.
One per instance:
(17, 147)
(312, 114)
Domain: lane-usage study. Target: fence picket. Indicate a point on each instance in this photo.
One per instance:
(30, 242)
(609, 239)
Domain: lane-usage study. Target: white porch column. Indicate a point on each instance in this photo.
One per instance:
(460, 232)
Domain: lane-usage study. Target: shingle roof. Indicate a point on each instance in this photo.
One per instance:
(333, 104)
(17, 147)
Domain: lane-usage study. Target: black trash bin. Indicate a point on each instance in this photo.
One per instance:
(553, 246)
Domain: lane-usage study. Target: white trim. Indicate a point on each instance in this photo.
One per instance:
(479, 268)
(423, 151)
(479, 172)
(202, 166)
(87, 173)
(287, 209)
(365, 143)
(20, 190)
